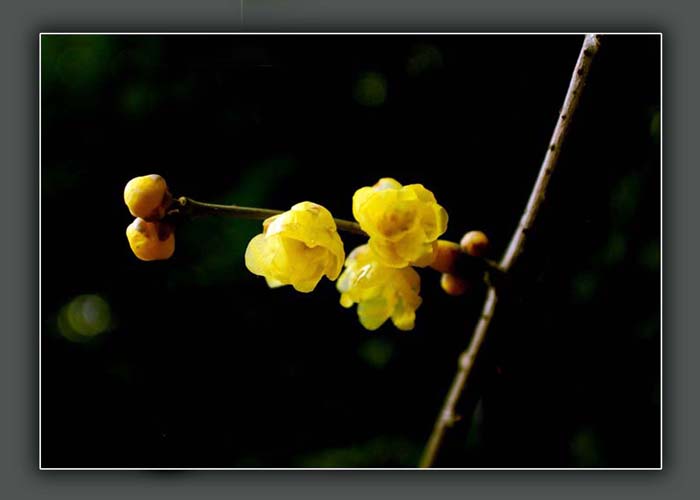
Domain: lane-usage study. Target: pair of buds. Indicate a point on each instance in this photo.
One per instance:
(474, 244)
(148, 199)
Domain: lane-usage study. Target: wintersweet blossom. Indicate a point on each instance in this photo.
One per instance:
(380, 292)
(297, 248)
(403, 222)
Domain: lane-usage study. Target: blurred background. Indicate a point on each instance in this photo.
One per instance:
(194, 362)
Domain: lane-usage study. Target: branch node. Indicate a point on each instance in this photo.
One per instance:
(466, 360)
(451, 419)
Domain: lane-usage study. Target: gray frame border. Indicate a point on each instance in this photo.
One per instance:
(22, 21)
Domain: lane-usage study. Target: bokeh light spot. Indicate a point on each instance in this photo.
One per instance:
(84, 317)
(585, 286)
(625, 199)
(615, 249)
(585, 448)
(655, 127)
(424, 58)
(650, 256)
(137, 99)
(377, 352)
(370, 89)
(78, 63)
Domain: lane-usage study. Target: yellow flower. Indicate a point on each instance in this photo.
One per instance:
(147, 197)
(297, 248)
(403, 222)
(151, 240)
(381, 292)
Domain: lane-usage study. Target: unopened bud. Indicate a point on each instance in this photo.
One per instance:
(475, 243)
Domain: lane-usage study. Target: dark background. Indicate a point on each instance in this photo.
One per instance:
(200, 365)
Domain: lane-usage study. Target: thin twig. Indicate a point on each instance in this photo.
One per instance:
(195, 208)
(447, 416)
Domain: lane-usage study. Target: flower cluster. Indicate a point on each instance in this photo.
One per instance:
(403, 224)
(300, 246)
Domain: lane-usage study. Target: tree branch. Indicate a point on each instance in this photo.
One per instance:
(447, 416)
(467, 266)
(188, 206)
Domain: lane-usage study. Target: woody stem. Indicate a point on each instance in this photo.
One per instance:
(447, 416)
(190, 207)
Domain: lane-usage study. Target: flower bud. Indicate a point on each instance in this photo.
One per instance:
(446, 254)
(151, 240)
(475, 243)
(453, 285)
(147, 197)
